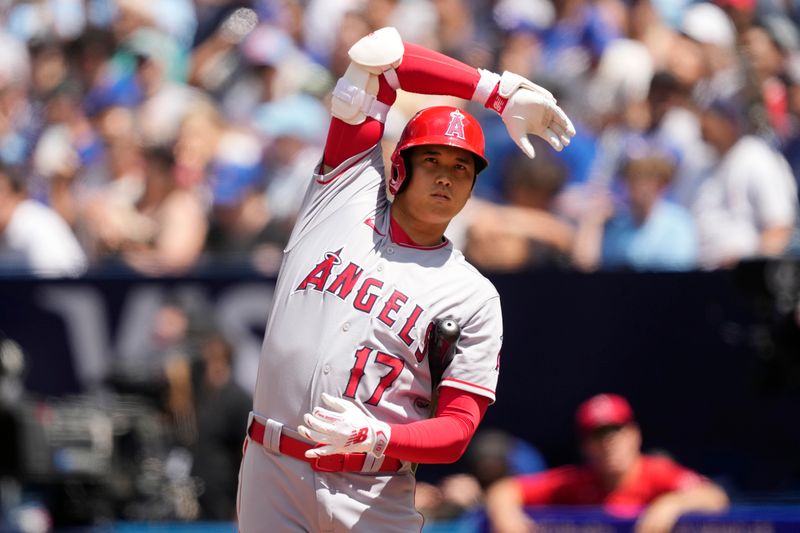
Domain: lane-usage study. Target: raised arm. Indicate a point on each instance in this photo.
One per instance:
(381, 63)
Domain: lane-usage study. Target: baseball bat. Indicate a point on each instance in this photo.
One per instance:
(441, 349)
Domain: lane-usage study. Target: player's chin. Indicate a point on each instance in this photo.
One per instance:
(439, 212)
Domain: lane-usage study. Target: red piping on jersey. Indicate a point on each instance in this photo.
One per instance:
(371, 223)
(401, 238)
(467, 383)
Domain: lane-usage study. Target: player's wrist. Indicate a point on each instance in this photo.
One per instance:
(381, 435)
(487, 91)
(496, 101)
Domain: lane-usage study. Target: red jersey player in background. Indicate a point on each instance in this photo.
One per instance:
(617, 476)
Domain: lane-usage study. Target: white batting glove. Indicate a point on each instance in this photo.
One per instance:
(344, 428)
(529, 108)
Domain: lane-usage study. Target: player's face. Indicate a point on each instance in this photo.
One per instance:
(613, 450)
(440, 185)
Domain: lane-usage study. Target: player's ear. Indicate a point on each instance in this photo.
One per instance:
(406, 155)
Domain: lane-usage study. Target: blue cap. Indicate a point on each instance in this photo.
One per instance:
(122, 91)
(231, 181)
(728, 107)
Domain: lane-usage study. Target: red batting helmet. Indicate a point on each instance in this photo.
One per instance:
(438, 125)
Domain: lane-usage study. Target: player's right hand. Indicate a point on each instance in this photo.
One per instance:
(343, 428)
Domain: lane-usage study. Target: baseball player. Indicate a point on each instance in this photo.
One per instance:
(616, 476)
(342, 401)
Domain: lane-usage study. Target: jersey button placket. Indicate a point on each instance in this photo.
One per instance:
(346, 326)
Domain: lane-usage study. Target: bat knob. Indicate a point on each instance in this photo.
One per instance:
(449, 329)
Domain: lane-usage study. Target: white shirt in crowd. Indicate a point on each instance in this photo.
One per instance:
(751, 189)
(36, 239)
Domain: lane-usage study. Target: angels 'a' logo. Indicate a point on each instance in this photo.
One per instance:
(456, 126)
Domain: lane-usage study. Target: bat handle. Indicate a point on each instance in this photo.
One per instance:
(448, 330)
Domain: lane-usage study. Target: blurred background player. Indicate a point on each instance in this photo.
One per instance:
(616, 475)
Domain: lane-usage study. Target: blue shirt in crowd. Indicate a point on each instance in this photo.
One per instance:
(667, 240)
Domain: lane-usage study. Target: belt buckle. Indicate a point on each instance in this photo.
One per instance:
(328, 463)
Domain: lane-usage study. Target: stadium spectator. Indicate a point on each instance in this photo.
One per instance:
(163, 230)
(746, 206)
(577, 37)
(741, 12)
(617, 476)
(220, 410)
(526, 233)
(239, 211)
(32, 236)
(673, 122)
(646, 232)
(710, 37)
(85, 88)
(767, 46)
(185, 369)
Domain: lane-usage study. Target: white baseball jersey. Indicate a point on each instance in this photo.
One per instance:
(351, 308)
(350, 315)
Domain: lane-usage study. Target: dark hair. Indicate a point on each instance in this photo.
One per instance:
(544, 173)
(14, 178)
(161, 157)
(665, 81)
(217, 344)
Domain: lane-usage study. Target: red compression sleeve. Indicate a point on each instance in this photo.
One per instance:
(422, 71)
(346, 140)
(444, 438)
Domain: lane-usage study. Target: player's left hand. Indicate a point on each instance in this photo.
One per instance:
(533, 109)
(343, 428)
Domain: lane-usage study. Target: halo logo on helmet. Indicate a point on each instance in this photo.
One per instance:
(443, 125)
(456, 126)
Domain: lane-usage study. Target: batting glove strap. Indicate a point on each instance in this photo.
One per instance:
(486, 88)
(343, 427)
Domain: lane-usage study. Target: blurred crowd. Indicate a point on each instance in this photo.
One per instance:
(159, 439)
(161, 136)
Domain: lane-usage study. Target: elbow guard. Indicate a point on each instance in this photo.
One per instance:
(355, 94)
